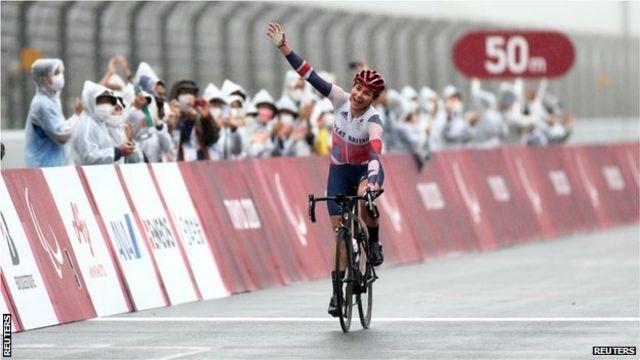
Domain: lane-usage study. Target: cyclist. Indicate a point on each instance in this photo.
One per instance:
(356, 145)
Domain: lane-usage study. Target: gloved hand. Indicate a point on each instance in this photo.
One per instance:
(277, 35)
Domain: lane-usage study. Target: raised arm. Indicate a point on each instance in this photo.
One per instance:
(304, 69)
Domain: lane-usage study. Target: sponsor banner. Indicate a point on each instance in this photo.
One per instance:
(395, 228)
(230, 267)
(502, 197)
(529, 180)
(464, 177)
(159, 232)
(280, 189)
(177, 204)
(20, 273)
(131, 251)
(616, 199)
(588, 212)
(50, 245)
(560, 186)
(631, 175)
(443, 210)
(240, 225)
(94, 259)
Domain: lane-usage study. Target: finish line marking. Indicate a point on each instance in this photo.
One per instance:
(329, 319)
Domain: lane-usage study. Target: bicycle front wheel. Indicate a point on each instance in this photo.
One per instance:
(364, 299)
(345, 290)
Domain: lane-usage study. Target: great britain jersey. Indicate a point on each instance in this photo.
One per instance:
(354, 140)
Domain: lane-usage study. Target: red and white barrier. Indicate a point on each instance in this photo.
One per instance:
(83, 242)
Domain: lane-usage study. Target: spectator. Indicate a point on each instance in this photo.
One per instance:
(456, 131)
(216, 99)
(487, 127)
(519, 125)
(196, 129)
(230, 88)
(92, 142)
(233, 137)
(122, 132)
(147, 79)
(323, 118)
(154, 141)
(294, 136)
(261, 142)
(46, 129)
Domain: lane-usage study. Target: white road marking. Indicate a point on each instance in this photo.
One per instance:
(328, 319)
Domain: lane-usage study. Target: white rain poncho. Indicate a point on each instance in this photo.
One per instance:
(92, 143)
(154, 141)
(489, 130)
(46, 129)
(260, 134)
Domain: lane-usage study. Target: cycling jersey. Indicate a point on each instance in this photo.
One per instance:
(355, 141)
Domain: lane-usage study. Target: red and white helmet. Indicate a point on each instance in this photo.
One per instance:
(371, 80)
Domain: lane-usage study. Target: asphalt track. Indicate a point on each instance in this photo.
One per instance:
(545, 300)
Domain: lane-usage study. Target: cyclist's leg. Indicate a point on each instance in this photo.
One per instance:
(338, 183)
(373, 225)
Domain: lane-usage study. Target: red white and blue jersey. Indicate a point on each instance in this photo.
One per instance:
(353, 139)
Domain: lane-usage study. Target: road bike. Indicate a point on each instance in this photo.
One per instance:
(359, 273)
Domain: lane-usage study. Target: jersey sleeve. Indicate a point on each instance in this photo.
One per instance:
(335, 93)
(375, 128)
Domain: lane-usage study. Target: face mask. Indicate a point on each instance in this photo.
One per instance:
(413, 106)
(457, 108)
(103, 111)
(296, 95)
(328, 119)
(265, 114)
(215, 111)
(57, 82)
(183, 102)
(286, 118)
(431, 106)
(236, 112)
(114, 120)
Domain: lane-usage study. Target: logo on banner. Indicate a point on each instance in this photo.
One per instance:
(13, 251)
(591, 189)
(80, 228)
(296, 219)
(532, 194)
(431, 196)
(560, 182)
(190, 230)
(55, 255)
(498, 188)
(125, 239)
(614, 177)
(159, 233)
(391, 208)
(469, 198)
(243, 214)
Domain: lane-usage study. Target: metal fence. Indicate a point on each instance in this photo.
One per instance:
(213, 41)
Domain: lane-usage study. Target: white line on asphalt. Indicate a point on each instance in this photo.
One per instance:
(399, 319)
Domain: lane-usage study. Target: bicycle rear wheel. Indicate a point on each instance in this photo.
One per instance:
(364, 299)
(345, 290)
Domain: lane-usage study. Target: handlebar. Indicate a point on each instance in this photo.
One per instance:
(343, 200)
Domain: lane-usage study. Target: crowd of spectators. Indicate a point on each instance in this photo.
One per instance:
(128, 117)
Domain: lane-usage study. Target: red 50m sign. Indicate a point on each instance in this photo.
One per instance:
(508, 54)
